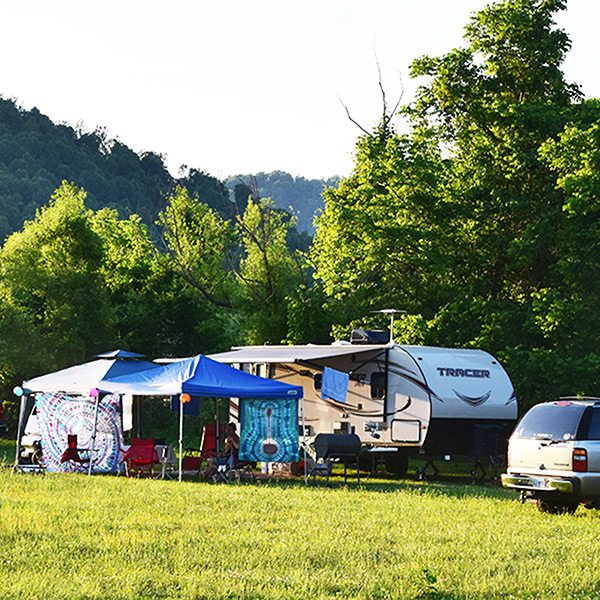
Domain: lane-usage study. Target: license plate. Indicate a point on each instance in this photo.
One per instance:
(539, 482)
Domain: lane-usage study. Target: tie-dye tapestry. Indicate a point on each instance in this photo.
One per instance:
(269, 430)
(59, 415)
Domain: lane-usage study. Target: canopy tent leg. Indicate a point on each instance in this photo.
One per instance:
(180, 438)
(94, 431)
(217, 425)
(138, 402)
(184, 398)
(21, 427)
(304, 442)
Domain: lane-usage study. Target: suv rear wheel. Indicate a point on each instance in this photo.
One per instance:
(556, 507)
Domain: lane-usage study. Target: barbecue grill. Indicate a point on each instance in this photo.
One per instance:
(342, 446)
(335, 445)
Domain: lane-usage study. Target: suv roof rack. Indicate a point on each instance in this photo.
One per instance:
(583, 398)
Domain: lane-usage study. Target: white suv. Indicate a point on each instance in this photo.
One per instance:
(554, 455)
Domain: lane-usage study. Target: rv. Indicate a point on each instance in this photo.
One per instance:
(400, 400)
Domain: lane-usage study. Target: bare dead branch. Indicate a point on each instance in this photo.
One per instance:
(352, 120)
(386, 115)
(381, 88)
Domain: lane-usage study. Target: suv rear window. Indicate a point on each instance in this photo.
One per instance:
(556, 421)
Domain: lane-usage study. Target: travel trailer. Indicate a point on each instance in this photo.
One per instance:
(400, 400)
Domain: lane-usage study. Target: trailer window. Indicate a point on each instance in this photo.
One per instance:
(318, 380)
(377, 386)
(264, 370)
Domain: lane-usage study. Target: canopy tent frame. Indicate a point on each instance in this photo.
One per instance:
(201, 376)
(77, 380)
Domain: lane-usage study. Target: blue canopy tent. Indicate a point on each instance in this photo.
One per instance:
(200, 376)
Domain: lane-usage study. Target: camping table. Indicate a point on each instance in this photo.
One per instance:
(166, 456)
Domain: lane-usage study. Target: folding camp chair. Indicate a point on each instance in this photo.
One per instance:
(193, 459)
(140, 458)
(223, 472)
(235, 469)
(191, 462)
(242, 470)
(71, 454)
(208, 445)
(166, 459)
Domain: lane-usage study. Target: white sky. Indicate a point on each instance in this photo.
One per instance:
(238, 86)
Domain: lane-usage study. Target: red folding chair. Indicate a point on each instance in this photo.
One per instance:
(192, 459)
(140, 458)
(71, 454)
(208, 445)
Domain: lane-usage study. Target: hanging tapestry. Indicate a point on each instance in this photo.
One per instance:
(127, 406)
(269, 430)
(190, 409)
(59, 415)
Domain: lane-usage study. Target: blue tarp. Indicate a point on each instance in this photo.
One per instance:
(200, 376)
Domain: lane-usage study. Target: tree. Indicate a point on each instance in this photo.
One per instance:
(243, 267)
(267, 271)
(495, 105)
(51, 277)
(197, 242)
(297, 195)
(383, 227)
(212, 192)
(156, 312)
(464, 221)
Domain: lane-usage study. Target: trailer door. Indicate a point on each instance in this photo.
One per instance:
(409, 406)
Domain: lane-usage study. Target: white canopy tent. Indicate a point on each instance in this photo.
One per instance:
(78, 380)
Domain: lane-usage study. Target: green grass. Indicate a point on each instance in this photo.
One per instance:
(70, 536)
(7, 451)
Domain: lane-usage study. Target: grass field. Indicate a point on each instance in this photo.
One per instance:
(70, 536)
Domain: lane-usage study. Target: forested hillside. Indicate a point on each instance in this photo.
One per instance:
(36, 156)
(302, 197)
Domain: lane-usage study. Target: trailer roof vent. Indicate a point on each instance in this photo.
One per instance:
(369, 336)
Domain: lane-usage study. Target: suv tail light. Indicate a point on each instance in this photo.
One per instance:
(579, 460)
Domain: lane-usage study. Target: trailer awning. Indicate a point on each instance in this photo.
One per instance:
(292, 354)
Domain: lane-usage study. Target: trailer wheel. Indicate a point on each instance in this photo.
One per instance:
(366, 463)
(397, 464)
